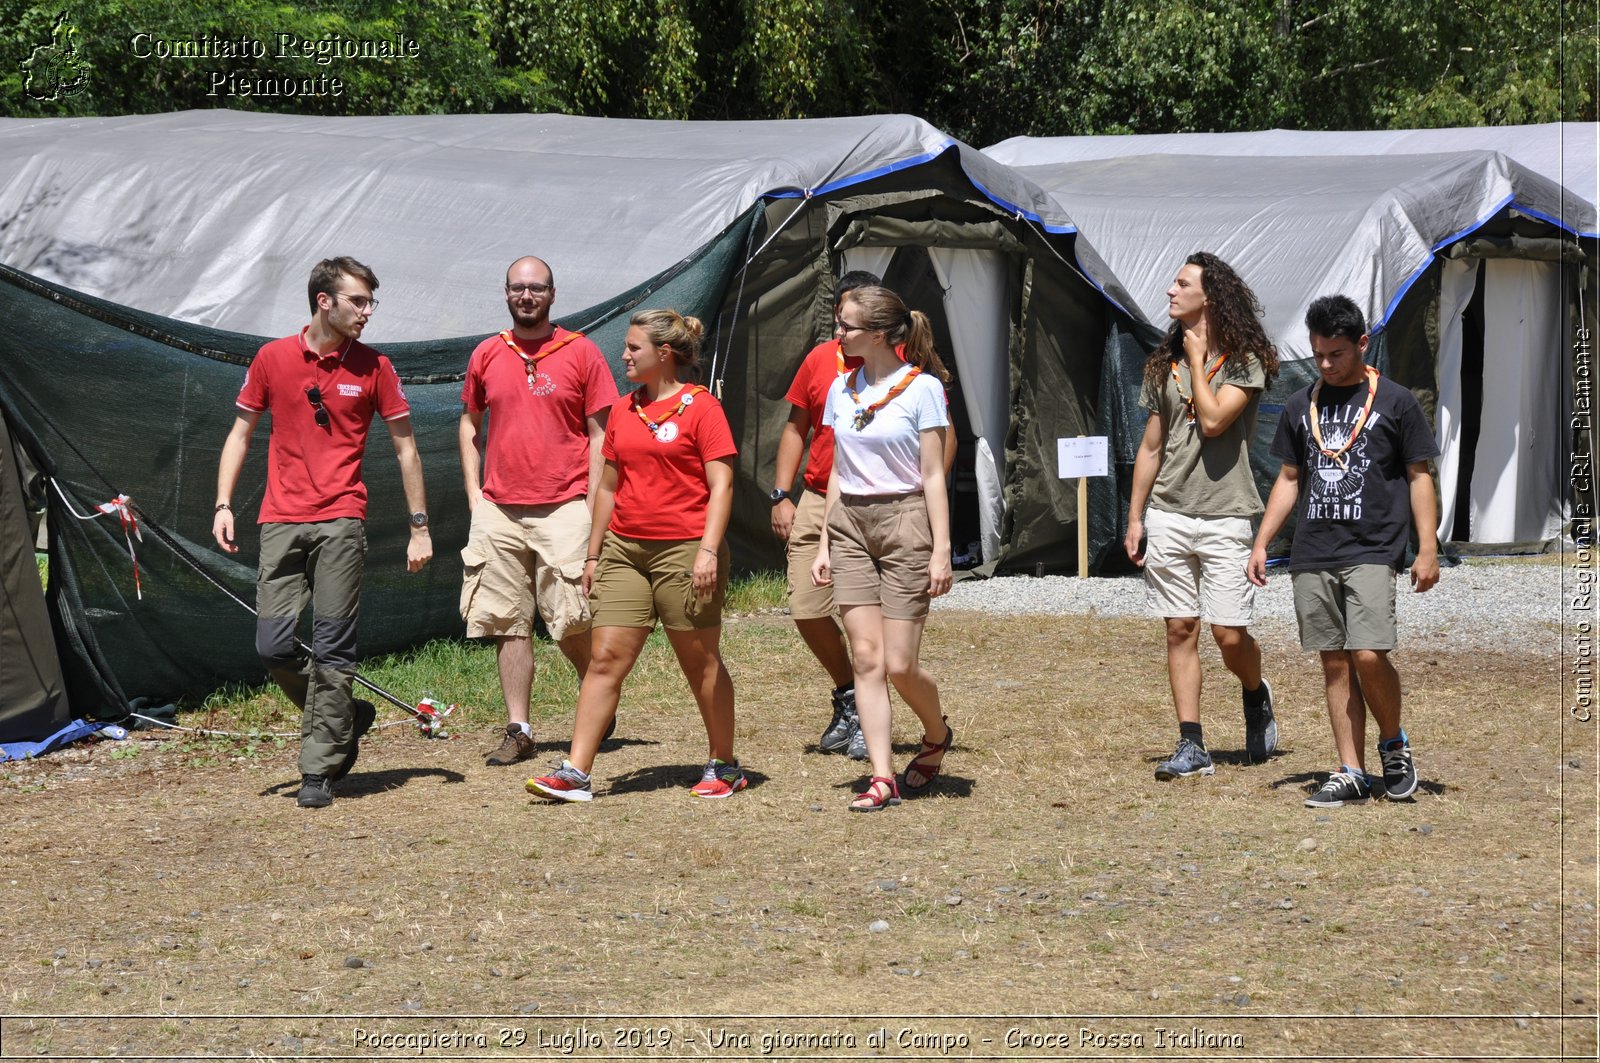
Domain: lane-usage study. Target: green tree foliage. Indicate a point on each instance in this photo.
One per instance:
(980, 69)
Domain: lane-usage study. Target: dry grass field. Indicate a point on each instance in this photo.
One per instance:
(166, 897)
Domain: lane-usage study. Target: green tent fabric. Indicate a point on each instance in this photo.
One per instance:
(33, 695)
(121, 363)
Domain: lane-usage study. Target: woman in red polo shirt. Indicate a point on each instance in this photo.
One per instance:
(657, 550)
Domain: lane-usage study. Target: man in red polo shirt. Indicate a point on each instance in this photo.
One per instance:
(530, 488)
(797, 522)
(322, 388)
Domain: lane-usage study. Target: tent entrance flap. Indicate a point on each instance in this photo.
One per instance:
(968, 268)
(965, 293)
(1503, 389)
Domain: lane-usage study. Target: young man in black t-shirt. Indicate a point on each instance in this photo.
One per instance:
(1360, 444)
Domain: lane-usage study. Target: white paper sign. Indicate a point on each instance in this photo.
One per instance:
(1083, 456)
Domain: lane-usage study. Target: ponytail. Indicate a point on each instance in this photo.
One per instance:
(919, 347)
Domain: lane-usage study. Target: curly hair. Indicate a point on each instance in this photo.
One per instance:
(1235, 323)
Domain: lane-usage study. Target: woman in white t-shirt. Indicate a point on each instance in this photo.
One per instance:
(886, 537)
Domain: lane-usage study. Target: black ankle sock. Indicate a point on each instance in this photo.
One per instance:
(1193, 732)
(1257, 697)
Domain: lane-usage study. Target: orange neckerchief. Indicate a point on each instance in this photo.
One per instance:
(1338, 456)
(531, 363)
(1188, 400)
(685, 399)
(865, 414)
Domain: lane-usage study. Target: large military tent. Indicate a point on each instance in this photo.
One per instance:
(145, 258)
(1474, 269)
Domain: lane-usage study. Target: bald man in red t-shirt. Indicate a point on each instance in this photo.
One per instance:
(530, 487)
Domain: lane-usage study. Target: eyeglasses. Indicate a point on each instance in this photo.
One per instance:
(362, 303)
(314, 394)
(531, 289)
(841, 325)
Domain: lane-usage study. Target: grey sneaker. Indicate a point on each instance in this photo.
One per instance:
(1188, 759)
(1260, 728)
(857, 749)
(514, 747)
(1344, 787)
(1399, 770)
(836, 738)
(315, 791)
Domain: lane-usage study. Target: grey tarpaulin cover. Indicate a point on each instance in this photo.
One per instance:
(145, 259)
(1411, 237)
(215, 217)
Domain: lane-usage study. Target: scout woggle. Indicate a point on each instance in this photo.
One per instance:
(1188, 400)
(531, 363)
(865, 414)
(1338, 456)
(663, 431)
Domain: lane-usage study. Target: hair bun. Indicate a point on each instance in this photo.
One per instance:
(695, 327)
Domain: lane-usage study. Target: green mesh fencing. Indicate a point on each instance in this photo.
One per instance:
(110, 400)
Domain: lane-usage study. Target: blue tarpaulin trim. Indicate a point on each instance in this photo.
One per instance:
(1509, 201)
(72, 732)
(919, 160)
(865, 175)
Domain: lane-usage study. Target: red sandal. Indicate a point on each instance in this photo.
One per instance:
(920, 763)
(880, 793)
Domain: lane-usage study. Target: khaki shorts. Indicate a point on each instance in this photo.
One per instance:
(521, 556)
(640, 581)
(879, 548)
(1346, 608)
(807, 601)
(1195, 566)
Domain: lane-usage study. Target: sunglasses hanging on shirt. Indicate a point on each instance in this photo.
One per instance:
(314, 395)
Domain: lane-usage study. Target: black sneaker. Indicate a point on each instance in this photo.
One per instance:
(366, 714)
(836, 737)
(1399, 770)
(1188, 759)
(1260, 727)
(1344, 787)
(315, 791)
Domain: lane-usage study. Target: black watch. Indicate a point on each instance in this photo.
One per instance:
(419, 520)
(778, 495)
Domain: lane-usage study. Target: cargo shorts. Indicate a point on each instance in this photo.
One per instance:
(519, 558)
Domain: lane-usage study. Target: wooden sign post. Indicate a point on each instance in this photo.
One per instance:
(1082, 457)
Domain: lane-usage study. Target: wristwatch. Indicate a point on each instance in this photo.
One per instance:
(778, 495)
(419, 520)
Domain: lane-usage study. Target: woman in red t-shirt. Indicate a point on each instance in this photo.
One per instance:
(657, 550)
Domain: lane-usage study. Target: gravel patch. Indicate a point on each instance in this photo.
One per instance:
(1481, 603)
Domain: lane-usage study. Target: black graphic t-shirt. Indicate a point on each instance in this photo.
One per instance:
(1355, 510)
